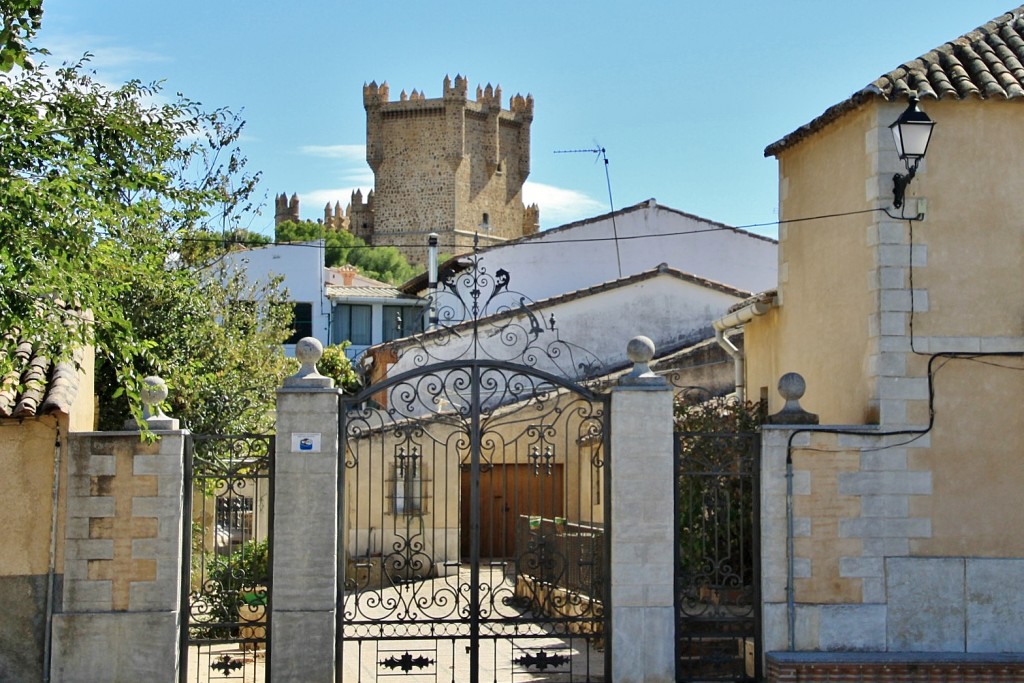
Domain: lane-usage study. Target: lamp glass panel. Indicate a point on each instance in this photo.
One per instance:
(915, 139)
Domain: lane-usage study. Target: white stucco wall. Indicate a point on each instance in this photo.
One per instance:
(302, 266)
(550, 264)
(664, 307)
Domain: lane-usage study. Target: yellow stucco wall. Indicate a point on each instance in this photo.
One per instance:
(973, 180)
(823, 275)
(975, 461)
(27, 457)
(27, 452)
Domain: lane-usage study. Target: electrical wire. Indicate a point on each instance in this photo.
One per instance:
(717, 228)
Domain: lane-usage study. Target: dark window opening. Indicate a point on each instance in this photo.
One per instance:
(353, 323)
(302, 322)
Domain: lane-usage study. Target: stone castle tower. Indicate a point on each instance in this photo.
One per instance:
(448, 165)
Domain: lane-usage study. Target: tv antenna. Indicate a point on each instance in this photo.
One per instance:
(600, 153)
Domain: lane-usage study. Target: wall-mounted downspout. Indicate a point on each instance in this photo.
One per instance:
(51, 573)
(432, 280)
(732, 320)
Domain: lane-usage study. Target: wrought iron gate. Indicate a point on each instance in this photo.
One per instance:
(226, 581)
(718, 632)
(473, 518)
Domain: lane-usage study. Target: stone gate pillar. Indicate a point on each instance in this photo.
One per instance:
(119, 616)
(305, 546)
(642, 521)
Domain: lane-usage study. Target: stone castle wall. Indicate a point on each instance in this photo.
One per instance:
(448, 165)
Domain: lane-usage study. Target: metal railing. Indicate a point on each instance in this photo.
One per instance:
(563, 554)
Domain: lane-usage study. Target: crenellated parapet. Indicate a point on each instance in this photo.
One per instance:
(334, 217)
(374, 94)
(444, 164)
(286, 209)
(458, 90)
(360, 216)
(489, 97)
(521, 105)
(531, 220)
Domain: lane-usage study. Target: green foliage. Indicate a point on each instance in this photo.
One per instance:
(336, 365)
(340, 247)
(715, 495)
(697, 412)
(19, 21)
(206, 247)
(104, 195)
(235, 585)
(218, 345)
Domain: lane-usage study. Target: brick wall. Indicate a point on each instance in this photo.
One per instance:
(923, 668)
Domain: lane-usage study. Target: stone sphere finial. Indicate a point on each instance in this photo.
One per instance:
(640, 350)
(153, 393)
(308, 351)
(792, 386)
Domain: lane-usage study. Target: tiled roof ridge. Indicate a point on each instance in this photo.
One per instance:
(419, 281)
(986, 63)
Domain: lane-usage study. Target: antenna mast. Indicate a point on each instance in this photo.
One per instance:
(600, 152)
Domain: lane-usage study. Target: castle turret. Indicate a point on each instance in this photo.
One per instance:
(286, 209)
(443, 165)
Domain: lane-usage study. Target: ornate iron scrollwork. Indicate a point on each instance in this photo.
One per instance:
(406, 662)
(514, 332)
(226, 664)
(540, 661)
(476, 428)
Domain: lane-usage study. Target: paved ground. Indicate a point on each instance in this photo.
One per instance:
(533, 657)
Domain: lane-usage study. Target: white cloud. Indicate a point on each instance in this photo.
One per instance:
(559, 205)
(312, 203)
(345, 152)
(111, 62)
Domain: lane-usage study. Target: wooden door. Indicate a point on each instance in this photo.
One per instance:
(508, 492)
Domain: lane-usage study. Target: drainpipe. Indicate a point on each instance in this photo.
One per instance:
(52, 568)
(432, 278)
(735, 319)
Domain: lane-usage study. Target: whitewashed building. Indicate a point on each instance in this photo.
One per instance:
(331, 304)
(625, 242)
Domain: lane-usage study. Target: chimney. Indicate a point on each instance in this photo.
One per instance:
(348, 274)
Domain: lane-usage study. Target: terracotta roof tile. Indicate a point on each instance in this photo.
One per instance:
(986, 63)
(37, 386)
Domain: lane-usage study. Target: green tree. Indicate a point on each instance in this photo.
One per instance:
(342, 247)
(218, 344)
(336, 365)
(19, 21)
(102, 196)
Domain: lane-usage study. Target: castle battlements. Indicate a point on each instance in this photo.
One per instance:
(488, 98)
(445, 164)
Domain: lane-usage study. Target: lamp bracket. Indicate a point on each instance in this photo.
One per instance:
(900, 182)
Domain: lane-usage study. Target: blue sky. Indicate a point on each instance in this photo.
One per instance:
(683, 95)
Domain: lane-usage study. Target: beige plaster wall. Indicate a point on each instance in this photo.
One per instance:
(823, 507)
(823, 274)
(973, 181)
(975, 462)
(27, 458)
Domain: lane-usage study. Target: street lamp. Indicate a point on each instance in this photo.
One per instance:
(912, 131)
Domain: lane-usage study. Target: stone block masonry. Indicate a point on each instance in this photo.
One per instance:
(449, 165)
(122, 559)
